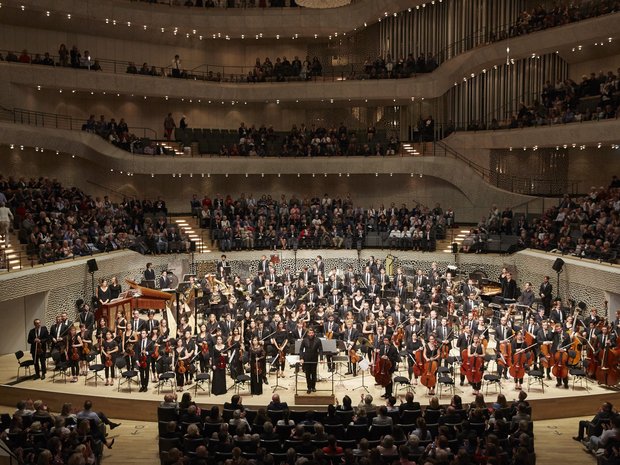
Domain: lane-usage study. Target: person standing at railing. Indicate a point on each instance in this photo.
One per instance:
(176, 66)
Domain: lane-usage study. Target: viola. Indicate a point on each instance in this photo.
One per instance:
(85, 348)
(560, 365)
(354, 357)
(221, 363)
(381, 372)
(429, 376)
(281, 357)
(168, 348)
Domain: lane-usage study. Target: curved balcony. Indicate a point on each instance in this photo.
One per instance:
(397, 91)
(88, 16)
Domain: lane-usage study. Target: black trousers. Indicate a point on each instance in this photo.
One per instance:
(310, 370)
(40, 366)
(144, 375)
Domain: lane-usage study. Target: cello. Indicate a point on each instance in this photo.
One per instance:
(429, 374)
(560, 365)
(418, 362)
(520, 359)
(381, 372)
(607, 371)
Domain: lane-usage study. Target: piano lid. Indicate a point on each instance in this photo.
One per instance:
(147, 292)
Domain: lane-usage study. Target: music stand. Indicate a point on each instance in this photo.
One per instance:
(363, 365)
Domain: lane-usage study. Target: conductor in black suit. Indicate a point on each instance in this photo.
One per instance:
(37, 338)
(309, 353)
(149, 273)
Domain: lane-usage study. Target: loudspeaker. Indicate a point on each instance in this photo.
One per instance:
(92, 265)
(192, 246)
(557, 265)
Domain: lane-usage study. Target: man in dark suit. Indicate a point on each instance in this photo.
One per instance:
(222, 267)
(388, 352)
(557, 314)
(151, 323)
(349, 336)
(309, 353)
(263, 264)
(86, 317)
(503, 332)
(37, 338)
(164, 281)
(546, 293)
(509, 287)
(136, 322)
(56, 332)
(144, 351)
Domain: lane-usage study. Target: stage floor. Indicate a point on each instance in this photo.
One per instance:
(134, 405)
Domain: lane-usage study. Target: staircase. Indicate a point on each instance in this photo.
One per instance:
(12, 254)
(187, 225)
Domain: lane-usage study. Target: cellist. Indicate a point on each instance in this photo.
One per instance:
(475, 354)
(518, 346)
(415, 352)
(544, 337)
(503, 333)
(431, 353)
(388, 352)
(462, 344)
(530, 337)
(561, 342)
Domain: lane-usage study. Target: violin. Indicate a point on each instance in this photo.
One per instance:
(85, 347)
(221, 363)
(129, 350)
(204, 349)
(181, 367)
(398, 336)
(258, 367)
(143, 361)
(168, 348)
(75, 355)
(156, 351)
(108, 361)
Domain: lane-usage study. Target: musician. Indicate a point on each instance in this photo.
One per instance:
(349, 337)
(444, 335)
(399, 276)
(86, 338)
(164, 331)
(74, 349)
(287, 275)
(419, 296)
(401, 290)
(180, 356)
(149, 275)
(448, 287)
(386, 352)
(367, 277)
(203, 340)
(463, 342)
(109, 350)
(592, 318)
(545, 293)
(183, 327)
(349, 276)
(431, 352)
(311, 298)
(145, 349)
(607, 339)
(309, 353)
(412, 326)
(115, 288)
(234, 347)
(527, 296)
(57, 332)
(306, 276)
(86, 317)
(37, 338)
(103, 293)
(545, 336)
(156, 340)
(164, 280)
(222, 268)
(471, 303)
(413, 346)
(561, 343)
(319, 265)
(431, 324)
(476, 350)
(263, 264)
(136, 322)
(280, 341)
(518, 345)
(130, 338)
(121, 325)
(257, 366)
(531, 329)
(503, 333)
(557, 314)
(322, 289)
(509, 287)
(420, 281)
(400, 317)
(102, 328)
(334, 299)
(151, 324)
(383, 280)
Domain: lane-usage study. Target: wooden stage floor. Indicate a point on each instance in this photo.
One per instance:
(134, 405)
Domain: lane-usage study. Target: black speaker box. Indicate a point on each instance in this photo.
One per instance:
(92, 265)
(557, 265)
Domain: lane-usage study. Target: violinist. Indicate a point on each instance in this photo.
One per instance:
(74, 348)
(463, 343)
(607, 339)
(444, 336)
(475, 355)
(183, 327)
(388, 352)
(280, 341)
(431, 353)
(146, 348)
(180, 356)
(257, 366)
(192, 350)
(557, 314)
(101, 331)
(127, 346)
(109, 349)
(544, 338)
(203, 340)
(121, 326)
(331, 330)
(519, 346)
(415, 357)
(85, 338)
(235, 346)
(157, 352)
(219, 360)
(503, 333)
(559, 348)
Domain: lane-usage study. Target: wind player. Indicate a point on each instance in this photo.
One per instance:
(37, 338)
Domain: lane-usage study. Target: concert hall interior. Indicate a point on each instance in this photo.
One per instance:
(310, 202)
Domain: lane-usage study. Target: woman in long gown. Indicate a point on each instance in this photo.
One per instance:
(257, 356)
(219, 359)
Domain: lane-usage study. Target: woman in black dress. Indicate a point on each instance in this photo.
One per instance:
(180, 356)
(257, 355)
(104, 294)
(219, 360)
(115, 288)
(108, 354)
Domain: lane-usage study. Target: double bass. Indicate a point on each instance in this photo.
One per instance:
(607, 370)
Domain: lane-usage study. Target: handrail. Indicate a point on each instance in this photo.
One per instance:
(57, 121)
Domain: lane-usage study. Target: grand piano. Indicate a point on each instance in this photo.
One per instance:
(136, 297)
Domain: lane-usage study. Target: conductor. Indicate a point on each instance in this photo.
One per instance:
(309, 353)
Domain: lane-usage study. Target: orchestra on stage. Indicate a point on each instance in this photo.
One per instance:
(426, 325)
